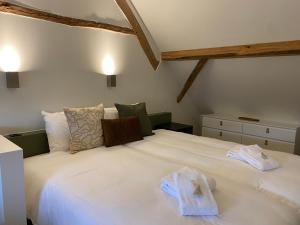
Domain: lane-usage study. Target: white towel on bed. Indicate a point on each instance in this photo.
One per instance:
(168, 185)
(234, 154)
(191, 204)
(254, 155)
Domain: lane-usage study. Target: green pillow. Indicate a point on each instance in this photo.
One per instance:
(140, 111)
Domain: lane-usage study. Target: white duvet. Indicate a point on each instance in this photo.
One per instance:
(121, 185)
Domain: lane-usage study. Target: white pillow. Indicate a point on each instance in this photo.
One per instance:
(111, 113)
(57, 130)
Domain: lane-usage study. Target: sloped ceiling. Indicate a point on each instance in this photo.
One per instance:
(97, 10)
(177, 24)
(267, 88)
(262, 87)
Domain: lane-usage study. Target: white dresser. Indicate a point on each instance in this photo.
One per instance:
(269, 135)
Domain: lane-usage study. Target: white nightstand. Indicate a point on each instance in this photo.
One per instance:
(12, 193)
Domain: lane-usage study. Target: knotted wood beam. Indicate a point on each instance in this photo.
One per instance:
(239, 51)
(123, 4)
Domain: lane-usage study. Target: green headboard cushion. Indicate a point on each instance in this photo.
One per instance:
(33, 143)
(160, 119)
(36, 142)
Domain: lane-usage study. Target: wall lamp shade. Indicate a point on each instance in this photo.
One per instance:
(12, 79)
(111, 81)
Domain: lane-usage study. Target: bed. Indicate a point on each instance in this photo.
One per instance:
(120, 185)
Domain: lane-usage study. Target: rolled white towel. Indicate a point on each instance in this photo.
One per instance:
(168, 185)
(189, 203)
(254, 156)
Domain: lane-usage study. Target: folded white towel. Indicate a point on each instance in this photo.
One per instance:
(234, 154)
(189, 203)
(168, 185)
(254, 155)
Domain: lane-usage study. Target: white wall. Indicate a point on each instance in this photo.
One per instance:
(61, 66)
(267, 88)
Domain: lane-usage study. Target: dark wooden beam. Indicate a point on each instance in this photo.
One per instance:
(6, 7)
(123, 4)
(252, 50)
(192, 78)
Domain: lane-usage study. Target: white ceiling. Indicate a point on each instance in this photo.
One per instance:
(260, 87)
(178, 24)
(97, 10)
(185, 24)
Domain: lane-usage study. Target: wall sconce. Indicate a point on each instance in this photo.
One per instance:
(109, 70)
(111, 80)
(10, 63)
(12, 80)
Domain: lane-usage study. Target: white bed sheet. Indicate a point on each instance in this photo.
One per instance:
(209, 155)
(120, 185)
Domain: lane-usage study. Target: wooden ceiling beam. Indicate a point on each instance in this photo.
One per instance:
(7, 7)
(239, 51)
(124, 6)
(192, 78)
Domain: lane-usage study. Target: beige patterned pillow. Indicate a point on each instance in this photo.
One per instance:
(85, 127)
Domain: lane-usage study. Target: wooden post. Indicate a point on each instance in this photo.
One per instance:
(192, 78)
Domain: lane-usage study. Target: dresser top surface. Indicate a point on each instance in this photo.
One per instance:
(261, 122)
(7, 146)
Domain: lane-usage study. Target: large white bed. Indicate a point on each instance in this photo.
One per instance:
(121, 185)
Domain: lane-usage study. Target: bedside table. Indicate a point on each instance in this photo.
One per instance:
(178, 127)
(12, 210)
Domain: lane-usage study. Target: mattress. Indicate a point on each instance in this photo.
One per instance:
(121, 185)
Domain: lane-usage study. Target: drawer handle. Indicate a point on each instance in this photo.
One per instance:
(268, 130)
(221, 134)
(266, 142)
(221, 123)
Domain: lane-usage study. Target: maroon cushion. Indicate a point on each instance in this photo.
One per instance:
(121, 131)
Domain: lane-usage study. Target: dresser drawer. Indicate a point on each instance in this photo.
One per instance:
(222, 135)
(211, 133)
(222, 124)
(269, 144)
(270, 132)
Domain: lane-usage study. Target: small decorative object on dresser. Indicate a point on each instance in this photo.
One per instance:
(178, 127)
(269, 135)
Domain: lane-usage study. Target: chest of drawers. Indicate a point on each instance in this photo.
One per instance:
(269, 135)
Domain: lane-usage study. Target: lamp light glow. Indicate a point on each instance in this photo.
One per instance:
(108, 66)
(9, 60)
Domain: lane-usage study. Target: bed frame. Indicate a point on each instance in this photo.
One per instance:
(36, 143)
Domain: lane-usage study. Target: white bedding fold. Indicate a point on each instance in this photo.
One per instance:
(209, 155)
(120, 185)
